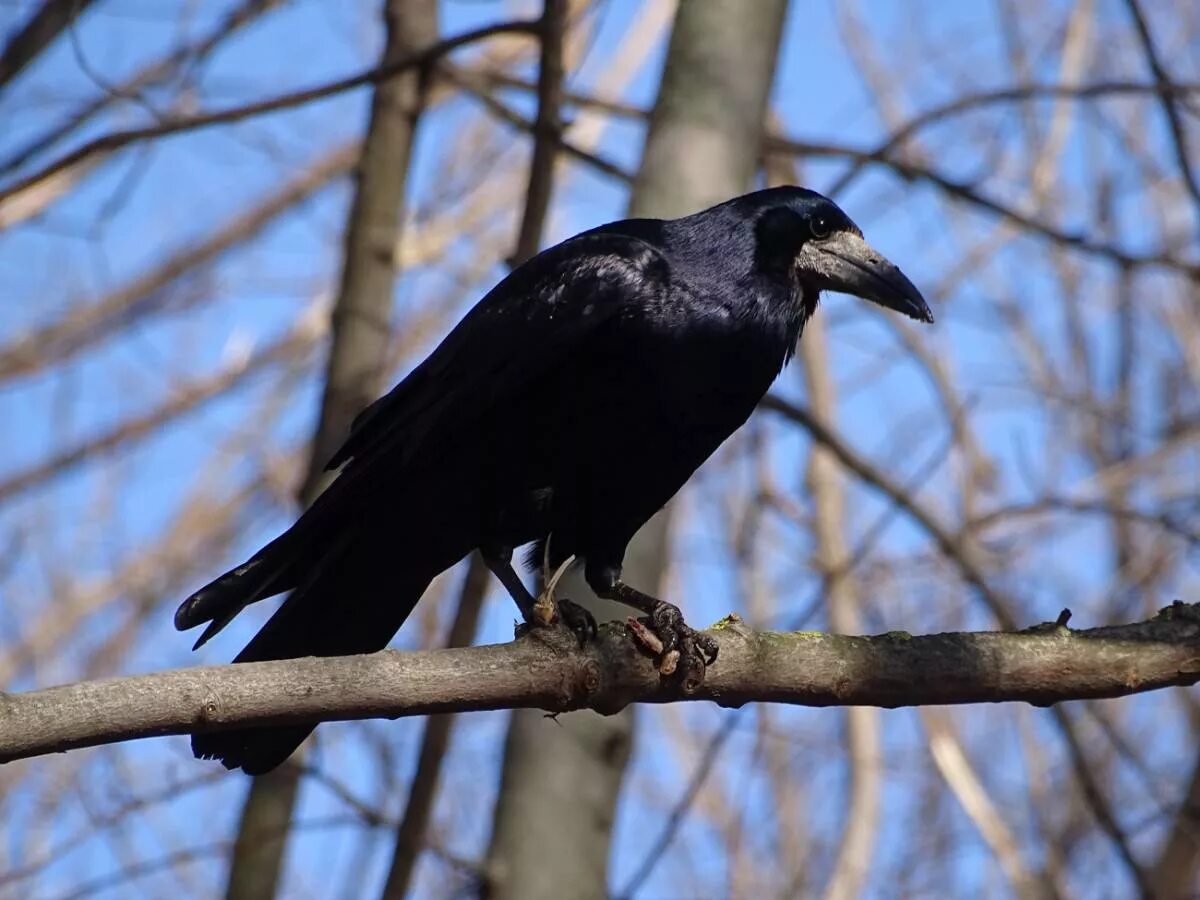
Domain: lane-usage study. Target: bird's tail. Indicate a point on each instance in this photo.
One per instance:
(353, 597)
(272, 570)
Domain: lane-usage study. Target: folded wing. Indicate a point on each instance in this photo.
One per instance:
(521, 330)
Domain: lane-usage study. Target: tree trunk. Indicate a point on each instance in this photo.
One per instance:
(356, 359)
(1176, 873)
(552, 825)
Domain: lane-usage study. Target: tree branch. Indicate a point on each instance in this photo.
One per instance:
(37, 34)
(151, 75)
(969, 194)
(948, 542)
(547, 131)
(547, 670)
(374, 75)
(80, 325)
(1167, 97)
(886, 153)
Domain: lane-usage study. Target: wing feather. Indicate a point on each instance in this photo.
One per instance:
(522, 329)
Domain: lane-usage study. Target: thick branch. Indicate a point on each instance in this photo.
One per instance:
(547, 670)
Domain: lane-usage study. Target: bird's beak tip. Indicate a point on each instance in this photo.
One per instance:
(857, 269)
(920, 310)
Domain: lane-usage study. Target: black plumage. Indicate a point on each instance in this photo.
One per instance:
(572, 401)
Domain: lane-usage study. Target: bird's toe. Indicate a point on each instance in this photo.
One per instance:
(581, 622)
(682, 652)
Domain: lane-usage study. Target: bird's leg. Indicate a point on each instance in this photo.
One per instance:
(499, 563)
(683, 650)
(541, 611)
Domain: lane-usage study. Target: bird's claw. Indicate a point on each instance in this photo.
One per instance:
(548, 613)
(547, 610)
(681, 651)
(581, 622)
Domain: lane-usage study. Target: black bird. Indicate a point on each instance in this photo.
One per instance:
(569, 405)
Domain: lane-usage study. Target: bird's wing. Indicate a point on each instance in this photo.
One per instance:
(523, 328)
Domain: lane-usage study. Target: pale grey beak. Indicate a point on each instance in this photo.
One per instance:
(847, 263)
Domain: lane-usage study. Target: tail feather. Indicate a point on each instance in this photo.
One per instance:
(263, 575)
(353, 601)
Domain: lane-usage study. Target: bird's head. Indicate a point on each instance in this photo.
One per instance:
(801, 229)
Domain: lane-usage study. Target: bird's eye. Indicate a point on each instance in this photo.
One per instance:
(820, 228)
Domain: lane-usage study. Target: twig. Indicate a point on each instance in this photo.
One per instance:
(150, 75)
(1054, 504)
(960, 105)
(681, 808)
(182, 401)
(1166, 96)
(907, 170)
(38, 33)
(81, 326)
(1019, 93)
(375, 74)
(502, 111)
(967, 193)
(1098, 803)
(947, 543)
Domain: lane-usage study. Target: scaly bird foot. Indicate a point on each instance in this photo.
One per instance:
(682, 651)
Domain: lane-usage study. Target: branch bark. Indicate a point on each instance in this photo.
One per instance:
(1043, 665)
